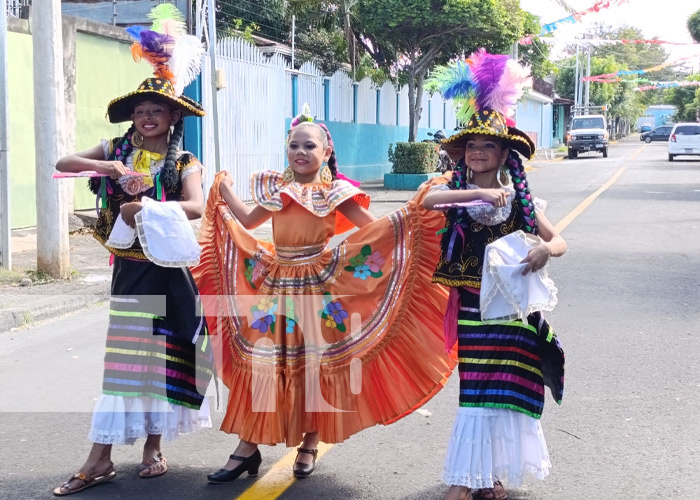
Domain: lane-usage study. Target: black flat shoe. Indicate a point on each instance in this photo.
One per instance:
(304, 470)
(250, 464)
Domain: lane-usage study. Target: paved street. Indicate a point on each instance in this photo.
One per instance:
(628, 318)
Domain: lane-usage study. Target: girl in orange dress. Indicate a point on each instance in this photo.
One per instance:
(318, 343)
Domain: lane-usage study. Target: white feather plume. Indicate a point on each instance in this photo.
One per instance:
(186, 61)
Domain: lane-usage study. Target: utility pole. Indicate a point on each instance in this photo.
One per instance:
(588, 83)
(576, 84)
(212, 62)
(294, 28)
(114, 12)
(5, 233)
(49, 138)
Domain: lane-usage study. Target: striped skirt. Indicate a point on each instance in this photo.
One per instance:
(503, 369)
(158, 361)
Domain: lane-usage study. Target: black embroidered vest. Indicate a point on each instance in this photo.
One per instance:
(116, 197)
(466, 254)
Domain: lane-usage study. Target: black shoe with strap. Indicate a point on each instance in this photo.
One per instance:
(250, 464)
(301, 470)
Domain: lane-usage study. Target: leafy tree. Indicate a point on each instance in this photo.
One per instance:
(694, 26)
(266, 18)
(412, 36)
(686, 100)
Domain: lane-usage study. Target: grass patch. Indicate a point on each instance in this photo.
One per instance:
(11, 277)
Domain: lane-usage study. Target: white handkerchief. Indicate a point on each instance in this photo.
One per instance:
(505, 292)
(122, 236)
(166, 235)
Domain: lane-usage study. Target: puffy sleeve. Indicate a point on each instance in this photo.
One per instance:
(188, 164)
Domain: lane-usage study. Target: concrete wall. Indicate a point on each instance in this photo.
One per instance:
(362, 149)
(21, 132)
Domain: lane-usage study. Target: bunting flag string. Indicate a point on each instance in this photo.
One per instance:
(577, 16)
(527, 40)
(666, 85)
(611, 77)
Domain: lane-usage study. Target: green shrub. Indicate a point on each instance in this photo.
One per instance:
(413, 157)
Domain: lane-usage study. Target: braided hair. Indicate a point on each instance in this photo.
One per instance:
(169, 175)
(123, 148)
(456, 217)
(526, 207)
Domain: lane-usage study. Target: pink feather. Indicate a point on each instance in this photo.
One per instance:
(500, 81)
(509, 89)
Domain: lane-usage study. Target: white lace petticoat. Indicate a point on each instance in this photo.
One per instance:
(122, 420)
(491, 444)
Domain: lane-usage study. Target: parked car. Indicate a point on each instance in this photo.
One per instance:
(645, 128)
(588, 133)
(658, 134)
(684, 140)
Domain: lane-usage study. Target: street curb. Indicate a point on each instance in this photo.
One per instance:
(47, 309)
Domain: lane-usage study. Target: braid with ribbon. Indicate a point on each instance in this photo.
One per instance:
(455, 224)
(169, 174)
(526, 207)
(122, 149)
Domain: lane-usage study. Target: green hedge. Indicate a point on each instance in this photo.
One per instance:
(413, 157)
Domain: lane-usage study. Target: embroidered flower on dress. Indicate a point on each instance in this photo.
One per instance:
(133, 184)
(253, 271)
(263, 321)
(362, 272)
(366, 264)
(375, 261)
(333, 313)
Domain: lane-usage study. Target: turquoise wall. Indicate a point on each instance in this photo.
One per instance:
(362, 148)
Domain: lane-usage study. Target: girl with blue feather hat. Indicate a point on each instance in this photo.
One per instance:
(158, 362)
(503, 364)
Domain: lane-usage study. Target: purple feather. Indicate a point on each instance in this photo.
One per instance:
(156, 44)
(487, 70)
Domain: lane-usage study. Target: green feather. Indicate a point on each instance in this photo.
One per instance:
(165, 12)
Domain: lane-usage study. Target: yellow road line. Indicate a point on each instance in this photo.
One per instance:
(562, 224)
(278, 478)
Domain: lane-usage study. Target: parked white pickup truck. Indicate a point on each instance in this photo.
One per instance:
(588, 133)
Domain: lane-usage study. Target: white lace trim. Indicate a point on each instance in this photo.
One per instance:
(166, 235)
(489, 444)
(489, 215)
(121, 420)
(505, 293)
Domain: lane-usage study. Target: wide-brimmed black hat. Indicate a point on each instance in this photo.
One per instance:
(155, 89)
(492, 123)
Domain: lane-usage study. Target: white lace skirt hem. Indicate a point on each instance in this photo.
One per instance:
(122, 420)
(491, 444)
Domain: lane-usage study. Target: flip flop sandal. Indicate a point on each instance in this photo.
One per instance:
(145, 467)
(490, 493)
(85, 482)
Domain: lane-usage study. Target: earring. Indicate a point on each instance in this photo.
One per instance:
(136, 140)
(288, 175)
(470, 174)
(503, 179)
(326, 175)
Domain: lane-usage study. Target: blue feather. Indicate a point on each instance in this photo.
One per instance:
(135, 31)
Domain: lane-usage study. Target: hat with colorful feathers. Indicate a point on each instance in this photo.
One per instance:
(485, 89)
(176, 58)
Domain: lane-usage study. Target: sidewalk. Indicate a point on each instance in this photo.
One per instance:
(27, 297)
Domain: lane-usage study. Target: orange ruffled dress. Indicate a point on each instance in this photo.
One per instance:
(312, 338)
